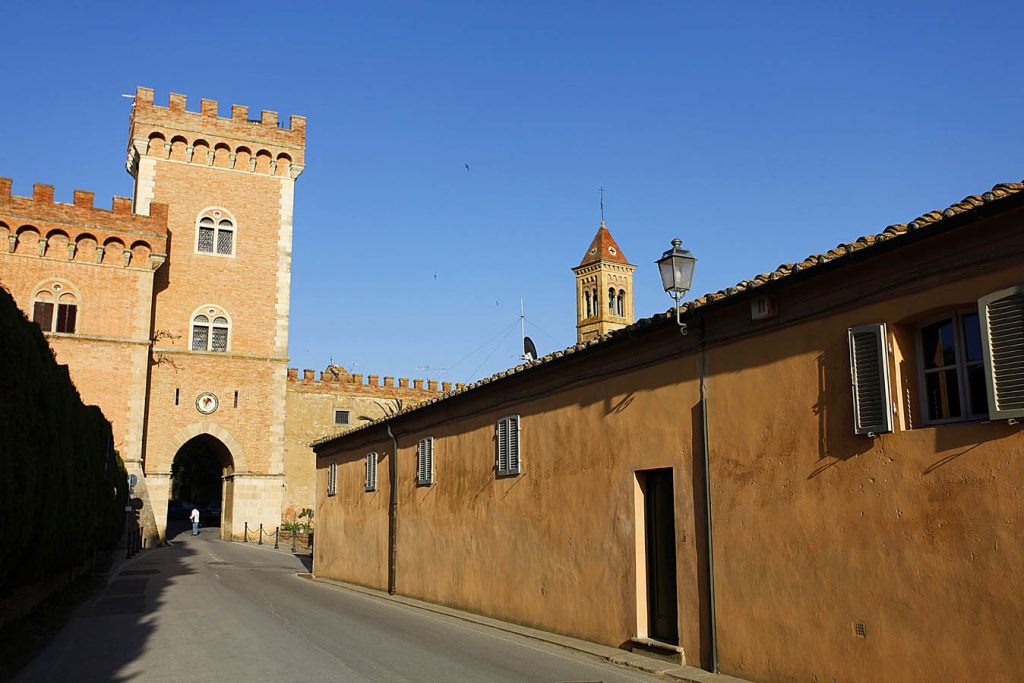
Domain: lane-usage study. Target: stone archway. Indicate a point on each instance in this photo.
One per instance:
(211, 443)
(201, 476)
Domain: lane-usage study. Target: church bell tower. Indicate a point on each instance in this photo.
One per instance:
(604, 288)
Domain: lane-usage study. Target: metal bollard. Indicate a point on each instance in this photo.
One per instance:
(245, 538)
(293, 541)
(261, 534)
(277, 531)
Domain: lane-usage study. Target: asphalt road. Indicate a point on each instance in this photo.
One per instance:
(206, 610)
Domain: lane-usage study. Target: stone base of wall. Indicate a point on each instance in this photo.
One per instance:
(254, 499)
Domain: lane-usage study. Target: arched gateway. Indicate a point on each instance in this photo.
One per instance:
(201, 477)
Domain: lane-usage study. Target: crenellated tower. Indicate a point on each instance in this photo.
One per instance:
(604, 288)
(218, 371)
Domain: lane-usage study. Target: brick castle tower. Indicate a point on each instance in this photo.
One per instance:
(604, 288)
(217, 379)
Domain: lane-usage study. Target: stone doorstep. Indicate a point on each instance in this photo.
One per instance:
(658, 649)
(647, 664)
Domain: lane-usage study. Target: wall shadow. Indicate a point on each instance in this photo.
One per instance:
(111, 630)
(700, 535)
(834, 416)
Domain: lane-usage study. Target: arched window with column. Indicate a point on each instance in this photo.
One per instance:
(586, 295)
(215, 232)
(611, 300)
(210, 330)
(620, 302)
(55, 308)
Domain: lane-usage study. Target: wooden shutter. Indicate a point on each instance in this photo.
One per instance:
(428, 461)
(501, 438)
(1002, 336)
(869, 371)
(425, 461)
(371, 472)
(507, 438)
(42, 314)
(67, 315)
(513, 444)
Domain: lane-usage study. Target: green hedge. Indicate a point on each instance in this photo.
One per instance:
(62, 487)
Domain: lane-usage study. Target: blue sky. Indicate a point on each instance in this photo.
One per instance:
(756, 132)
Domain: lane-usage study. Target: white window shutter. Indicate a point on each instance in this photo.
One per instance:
(502, 442)
(419, 462)
(869, 371)
(1002, 336)
(428, 464)
(513, 444)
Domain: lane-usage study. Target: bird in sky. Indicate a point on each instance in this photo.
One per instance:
(467, 166)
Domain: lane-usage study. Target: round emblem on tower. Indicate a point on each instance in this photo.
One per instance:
(206, 403)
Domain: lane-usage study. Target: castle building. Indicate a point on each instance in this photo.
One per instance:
(171, 312)
(604, 288)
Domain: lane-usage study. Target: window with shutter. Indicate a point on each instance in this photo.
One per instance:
(332, 479)
(371, 472)
(42, 315)
(1002, 332)
(425, 461)
(67, 314)
(869, 372)
(507, 459)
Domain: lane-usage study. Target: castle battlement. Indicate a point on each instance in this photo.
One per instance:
(337, 379)
(205, 138)
(39, 226)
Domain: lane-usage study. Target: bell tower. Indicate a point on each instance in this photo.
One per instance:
(604, 288)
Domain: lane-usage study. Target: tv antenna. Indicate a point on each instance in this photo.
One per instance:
(529, 348)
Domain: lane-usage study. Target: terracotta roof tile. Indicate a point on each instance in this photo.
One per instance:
(784, 270)
(603, 248)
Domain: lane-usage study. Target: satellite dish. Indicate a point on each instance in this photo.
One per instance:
(529, 349)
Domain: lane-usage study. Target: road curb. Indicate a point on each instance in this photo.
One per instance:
(621, 658)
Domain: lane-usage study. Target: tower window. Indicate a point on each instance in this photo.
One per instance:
(597, 309)
(210, 331)
(54, 311)
(587, 296)
(619, 302)
(215, 233)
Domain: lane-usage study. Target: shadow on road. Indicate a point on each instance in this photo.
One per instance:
(111, 631)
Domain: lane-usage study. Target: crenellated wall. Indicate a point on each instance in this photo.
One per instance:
(38, 226)
(204, 138)
(311, 404)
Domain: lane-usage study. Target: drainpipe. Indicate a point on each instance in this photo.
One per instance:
(392, 511)
(707, 497)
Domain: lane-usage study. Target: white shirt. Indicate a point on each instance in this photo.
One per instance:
(195, 515)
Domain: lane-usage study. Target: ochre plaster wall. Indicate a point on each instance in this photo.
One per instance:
(912, 534)
(309, 407)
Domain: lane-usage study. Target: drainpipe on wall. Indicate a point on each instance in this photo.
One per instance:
(707, 497)
(392, 511)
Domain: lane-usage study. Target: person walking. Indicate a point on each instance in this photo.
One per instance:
(195, 521)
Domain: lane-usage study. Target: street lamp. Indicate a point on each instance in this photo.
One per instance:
(676, 266)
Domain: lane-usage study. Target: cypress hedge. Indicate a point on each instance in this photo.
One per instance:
(63, 488)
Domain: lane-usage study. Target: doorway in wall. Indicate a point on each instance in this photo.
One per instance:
(656, 558)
